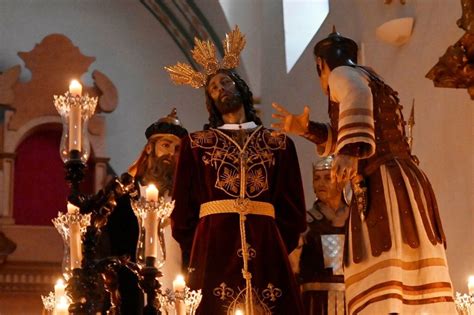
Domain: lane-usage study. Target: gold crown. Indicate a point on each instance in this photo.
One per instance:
(204, 53)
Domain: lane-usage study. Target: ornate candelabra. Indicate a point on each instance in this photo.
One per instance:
(63, 223)
(75, 111)
(49, 302)
(190, 298)
(86, 285)
(88, 278)
(151, 251)
(464, 303)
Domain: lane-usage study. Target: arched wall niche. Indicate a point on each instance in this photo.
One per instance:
(96, 168)
(39, 188)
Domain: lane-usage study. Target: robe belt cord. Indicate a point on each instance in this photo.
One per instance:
(237, 206)
(243, 207)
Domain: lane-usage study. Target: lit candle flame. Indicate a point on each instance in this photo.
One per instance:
(75, 88)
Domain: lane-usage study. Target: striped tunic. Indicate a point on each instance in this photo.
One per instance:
(395, 257)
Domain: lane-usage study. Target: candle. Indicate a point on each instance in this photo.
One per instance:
(75, 245)
(71, 209)
(61, 307)
(151, 224)
(178, 286)
(75, 127)
(151, 193)
(470, 284)
(151, 234)
(239, 312)
(75, 88)
(59, 289)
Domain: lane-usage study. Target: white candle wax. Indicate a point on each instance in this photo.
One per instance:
(75, 128)
(75, 88)
(178, 286)
(470, 284)
(151, 193)
(75, 245)
(59, 289)
(61, 307)
(151, 234)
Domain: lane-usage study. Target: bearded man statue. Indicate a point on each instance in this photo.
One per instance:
(155, 165)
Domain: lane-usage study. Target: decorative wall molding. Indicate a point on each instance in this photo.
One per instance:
(28, 277)
(27, 106)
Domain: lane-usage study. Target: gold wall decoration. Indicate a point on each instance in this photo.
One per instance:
(455, 69)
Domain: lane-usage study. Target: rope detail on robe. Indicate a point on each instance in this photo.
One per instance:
(245, 206)
(242, 204)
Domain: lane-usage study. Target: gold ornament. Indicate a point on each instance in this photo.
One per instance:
(204, 53)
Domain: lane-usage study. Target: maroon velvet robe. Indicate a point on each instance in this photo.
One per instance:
(209, 170)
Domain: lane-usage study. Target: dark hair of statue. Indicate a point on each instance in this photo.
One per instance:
(335, 56)
(215, 118)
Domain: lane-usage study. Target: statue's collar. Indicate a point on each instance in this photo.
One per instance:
(245, 125)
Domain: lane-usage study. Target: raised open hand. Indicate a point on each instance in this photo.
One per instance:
(289, 123)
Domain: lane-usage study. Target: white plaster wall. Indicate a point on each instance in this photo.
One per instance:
(131, 48)
(248, 15)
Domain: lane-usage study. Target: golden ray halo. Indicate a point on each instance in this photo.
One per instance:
(204, 53)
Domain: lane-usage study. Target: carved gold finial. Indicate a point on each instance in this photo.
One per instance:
(233, 44)
(182, 73)
(204, 53)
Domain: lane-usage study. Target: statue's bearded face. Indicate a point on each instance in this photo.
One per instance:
(224, 93)
(166, 145)
(162, 155)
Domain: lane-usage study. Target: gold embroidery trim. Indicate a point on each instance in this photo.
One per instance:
(240, 206)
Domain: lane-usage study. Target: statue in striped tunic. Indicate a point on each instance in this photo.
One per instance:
(395, 258)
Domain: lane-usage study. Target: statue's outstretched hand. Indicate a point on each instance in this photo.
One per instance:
(289, 123)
